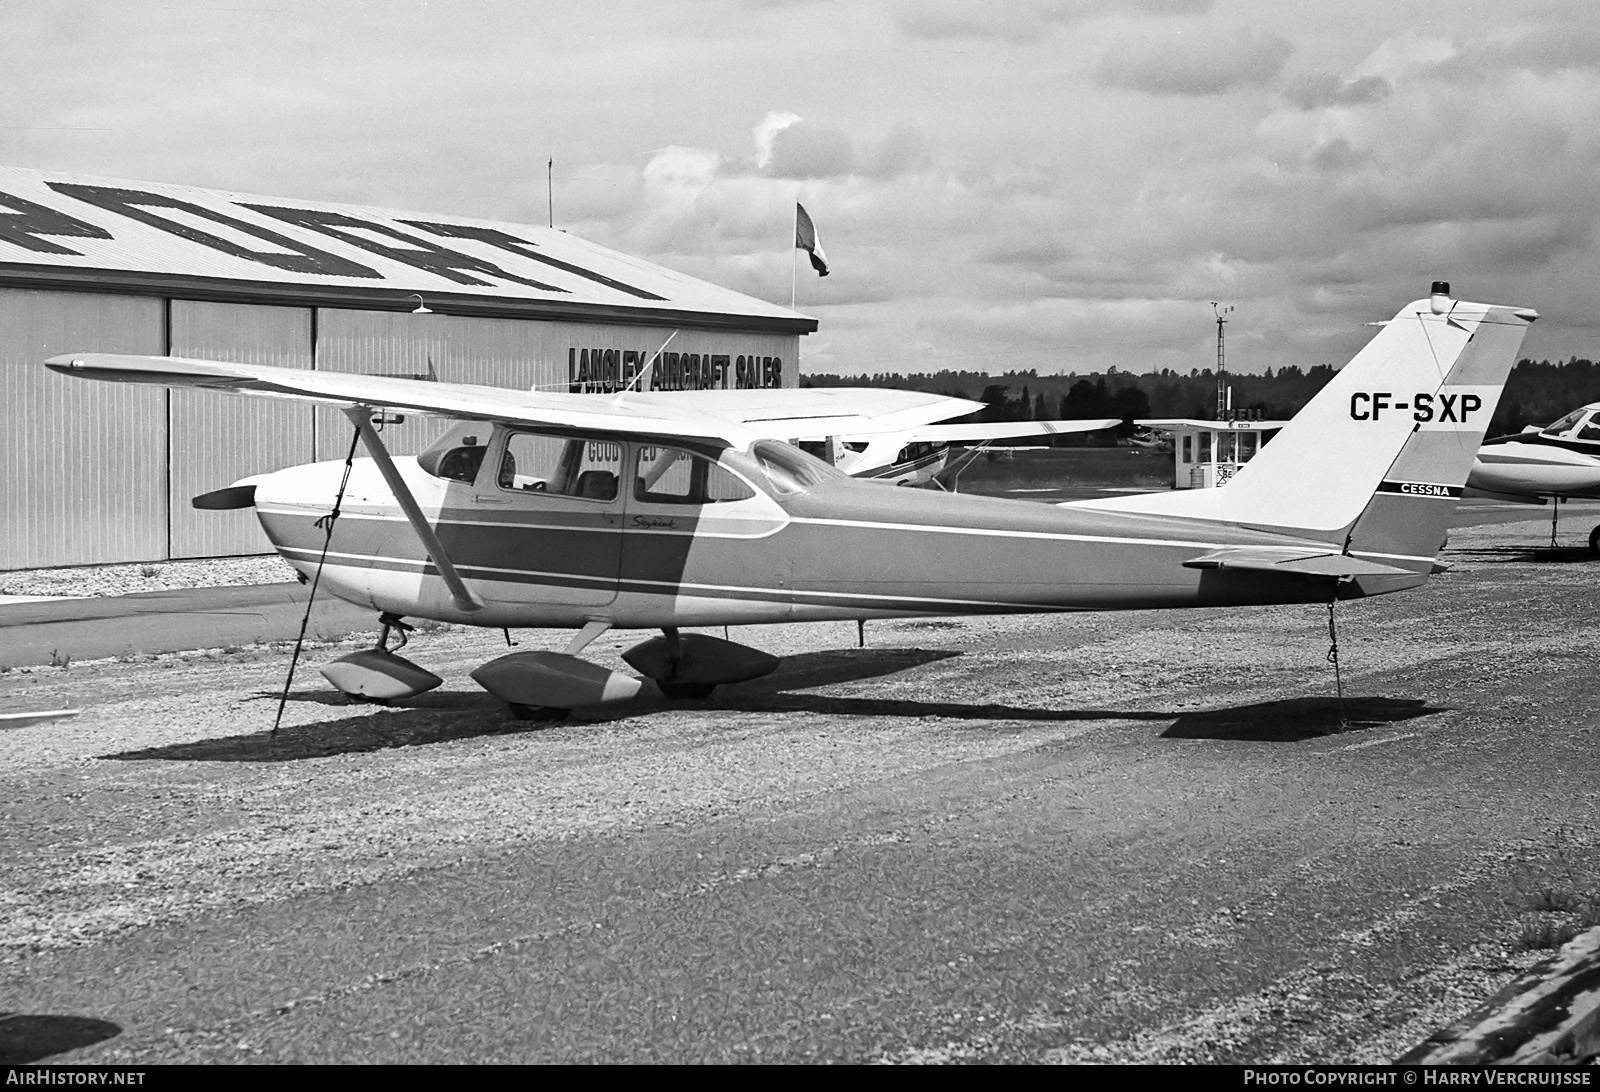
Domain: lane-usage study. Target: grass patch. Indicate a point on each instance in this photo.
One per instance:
(1545, 934)
(1557, 895)
(1554, 900)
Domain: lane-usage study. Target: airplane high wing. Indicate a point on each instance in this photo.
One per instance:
(734, 417)
(911, 456)
(585, 513)
(882, 434)
(1559, 462)
(811, 412)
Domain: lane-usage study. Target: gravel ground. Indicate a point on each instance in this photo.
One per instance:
(1116, 838)
(96, 580)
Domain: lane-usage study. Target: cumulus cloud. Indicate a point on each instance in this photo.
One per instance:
(1193, 63)
(1022, 20)
(904, 151)
(767, 131)
(803, 150)
(980, 200)
(1324, 90)
(1540, 51)
(1337, 155)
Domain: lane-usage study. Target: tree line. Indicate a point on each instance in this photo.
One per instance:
(1537, 392)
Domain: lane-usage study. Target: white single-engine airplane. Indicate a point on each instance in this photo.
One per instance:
(652, 511)
(1561, 461)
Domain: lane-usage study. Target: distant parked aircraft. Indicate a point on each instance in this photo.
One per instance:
(1560, 461)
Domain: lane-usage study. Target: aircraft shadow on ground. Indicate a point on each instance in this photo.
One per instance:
(1546, 555)
(446, 716)
(1295, 719)
(26, 1038)
(441, 716)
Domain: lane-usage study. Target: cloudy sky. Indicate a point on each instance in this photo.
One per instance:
(999, 185)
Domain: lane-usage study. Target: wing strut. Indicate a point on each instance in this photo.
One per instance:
(463, 595)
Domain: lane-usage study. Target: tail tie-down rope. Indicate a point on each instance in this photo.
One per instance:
(326, 523)
(1333, 658)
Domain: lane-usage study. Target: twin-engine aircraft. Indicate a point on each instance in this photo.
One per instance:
(667, 511)
(1561, 461)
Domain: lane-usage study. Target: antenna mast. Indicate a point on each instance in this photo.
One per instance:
(550, 187)
(1222, 390)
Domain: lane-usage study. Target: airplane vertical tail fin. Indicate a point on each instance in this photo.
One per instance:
(1407, 517)
(1385, 444)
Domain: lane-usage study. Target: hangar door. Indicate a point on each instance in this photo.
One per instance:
(85, 463)
(216, 439)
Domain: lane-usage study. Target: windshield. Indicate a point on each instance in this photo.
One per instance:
(788, 469)
(1565, 424)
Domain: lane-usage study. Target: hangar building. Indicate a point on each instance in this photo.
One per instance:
(99, 472)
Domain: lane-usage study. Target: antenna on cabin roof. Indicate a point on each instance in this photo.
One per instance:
(1221, 310)
(645, 370)
(550, 187)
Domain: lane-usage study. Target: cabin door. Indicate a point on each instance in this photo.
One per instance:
(548, 519)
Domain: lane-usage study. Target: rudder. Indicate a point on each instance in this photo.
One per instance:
(1406, 520)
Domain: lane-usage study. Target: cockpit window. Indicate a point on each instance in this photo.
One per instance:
(458, 454)
(561, 466)
(668, 475)
(1563, 426)
(790, 470)
(461, 463)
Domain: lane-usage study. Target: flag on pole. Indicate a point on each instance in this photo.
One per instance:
(805, 238)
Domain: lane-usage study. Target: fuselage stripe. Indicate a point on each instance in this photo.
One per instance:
(721, 591)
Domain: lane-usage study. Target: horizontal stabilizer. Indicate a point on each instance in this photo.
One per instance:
(1473, 493)
(1331, 565)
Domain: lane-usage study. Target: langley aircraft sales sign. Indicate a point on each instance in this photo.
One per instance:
(72, 231)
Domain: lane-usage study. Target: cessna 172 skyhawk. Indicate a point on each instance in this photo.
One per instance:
(1559, 461)
(645, 511)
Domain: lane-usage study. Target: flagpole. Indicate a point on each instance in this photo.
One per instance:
(794, 255)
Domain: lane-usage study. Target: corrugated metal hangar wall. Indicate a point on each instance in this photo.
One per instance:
(100, 473)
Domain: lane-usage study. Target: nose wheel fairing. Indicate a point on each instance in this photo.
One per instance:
(377, 674)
